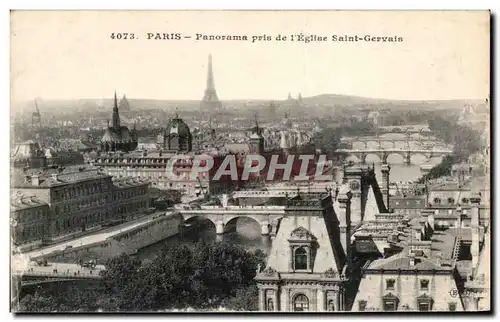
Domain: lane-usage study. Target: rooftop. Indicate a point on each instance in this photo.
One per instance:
(129, 182)
(20, 202)
(50, 177)
(403, 262)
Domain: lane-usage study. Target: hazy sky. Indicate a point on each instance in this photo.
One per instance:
(444, 55)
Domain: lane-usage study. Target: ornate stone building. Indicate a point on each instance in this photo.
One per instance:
(176, 137)
(306, 267)
(428, 262)
(81, 198)
(117, 137)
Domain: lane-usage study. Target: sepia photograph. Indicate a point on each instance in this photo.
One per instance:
(250, 161)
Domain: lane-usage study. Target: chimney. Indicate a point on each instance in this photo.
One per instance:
(386, 169)
(55, 176)
(412, 260)
(418, 234)
(459, 217)
(35, 180)
(475, 200)
(430, 219)
(344, 199)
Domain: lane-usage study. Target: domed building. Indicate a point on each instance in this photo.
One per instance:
(176, 137)
(117, 137)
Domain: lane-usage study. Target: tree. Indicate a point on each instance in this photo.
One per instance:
(245, 299)
(200, 276)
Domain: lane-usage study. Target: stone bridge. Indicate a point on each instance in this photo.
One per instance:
(381, 143)
(409, 129)
(383, 154)
(225, 218)
(33, 273)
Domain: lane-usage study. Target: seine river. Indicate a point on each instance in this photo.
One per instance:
(248, 231)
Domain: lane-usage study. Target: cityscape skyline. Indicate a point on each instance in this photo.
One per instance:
(86, 64)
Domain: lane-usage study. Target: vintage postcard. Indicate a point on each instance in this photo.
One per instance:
(270, 161)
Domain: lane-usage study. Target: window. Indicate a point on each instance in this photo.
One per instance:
(362, 305)
(452, 306)
(390, 305)
(424, 285)
(300, 258)
(424, 306)
(451, 200)
(389, 284)
(301, 303)
(424, 303)
(465, 200)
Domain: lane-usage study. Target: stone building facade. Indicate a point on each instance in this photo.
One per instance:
(29, 219)
(306, 266)
(81, 198)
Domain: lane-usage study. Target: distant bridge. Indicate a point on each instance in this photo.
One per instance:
(225, 218)
(381, 143)
(410, 129)
(383, 154)
(34, 274)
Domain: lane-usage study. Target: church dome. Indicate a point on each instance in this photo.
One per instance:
(178, 127)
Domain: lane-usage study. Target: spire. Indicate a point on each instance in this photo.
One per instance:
(210, 75)
(36, 107)
(257, 128)
(116, 115)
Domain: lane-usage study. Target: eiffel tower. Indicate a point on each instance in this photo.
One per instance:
(210, 103)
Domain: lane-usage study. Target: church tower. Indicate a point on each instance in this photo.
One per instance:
(36, 118)
(116, 116)
(256, 139)
(210, 99)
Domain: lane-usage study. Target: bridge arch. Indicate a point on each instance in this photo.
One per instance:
(250, 225)
(419, 158)
(373, 157)
(395, 157)
(353, 157)
(206, 222)
(356, 144)
(372, 144)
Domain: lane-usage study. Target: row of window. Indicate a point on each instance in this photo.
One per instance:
(129, 193)
(392, 305)
(27, 233)
(84, 189)
(79, 205)
(28, 215)
(96, 201)
(132, 207)
(450, 200)
(390, 283)
(300, 304)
